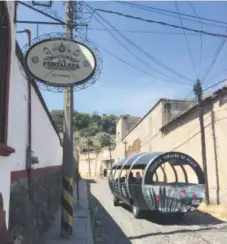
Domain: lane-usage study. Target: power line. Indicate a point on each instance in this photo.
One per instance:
(146, 53)
(138, 69)
(218, 51)
(201, 36)
(146, 8)
(153, 137)
(216, 84)
(142, 31)
(161, 23)
(129, 41)
(169, 11)
(133, 54)
(217, 73)
(186, 39)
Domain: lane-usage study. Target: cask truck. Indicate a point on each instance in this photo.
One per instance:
(169, 182)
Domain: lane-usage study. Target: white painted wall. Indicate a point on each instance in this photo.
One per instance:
(45, 141)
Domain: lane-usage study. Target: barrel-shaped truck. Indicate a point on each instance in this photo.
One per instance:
(169, 182)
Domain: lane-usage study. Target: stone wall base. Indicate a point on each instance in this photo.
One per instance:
(31, 211)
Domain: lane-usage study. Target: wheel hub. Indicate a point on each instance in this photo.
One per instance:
(134, 209)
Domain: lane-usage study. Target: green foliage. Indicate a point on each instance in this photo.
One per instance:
(100, 129)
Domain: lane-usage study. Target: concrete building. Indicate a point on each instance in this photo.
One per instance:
(173, 125)
(94, 163)
(20, 129)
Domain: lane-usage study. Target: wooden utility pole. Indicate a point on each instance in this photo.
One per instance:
(67, 177)
(199, 92)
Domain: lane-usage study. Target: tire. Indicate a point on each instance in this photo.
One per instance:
(179, 215)
(116, 202)
(136, 211)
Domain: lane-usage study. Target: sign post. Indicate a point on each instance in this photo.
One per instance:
(67, 177)
(64, 64)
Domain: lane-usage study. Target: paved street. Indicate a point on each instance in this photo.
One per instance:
(116, 225)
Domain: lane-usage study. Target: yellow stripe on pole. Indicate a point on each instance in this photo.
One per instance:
(67, 204)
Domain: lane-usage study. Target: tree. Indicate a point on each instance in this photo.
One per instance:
(100, 128)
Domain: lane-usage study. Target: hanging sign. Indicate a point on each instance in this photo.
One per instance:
(60, 62)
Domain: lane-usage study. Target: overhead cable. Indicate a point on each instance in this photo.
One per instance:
(161, 23)
(146, 8)
(138, 69)
(216, 55)
(186, 40)
(132, 43)
(201, 36)
(143, 31)
(145, 52)
(170, 11)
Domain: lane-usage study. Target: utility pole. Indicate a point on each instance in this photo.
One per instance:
(110, 152)
(125, 143)
(88, 155)
(198, 92)
(67, 179)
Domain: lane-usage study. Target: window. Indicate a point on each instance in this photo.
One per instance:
(5, 51)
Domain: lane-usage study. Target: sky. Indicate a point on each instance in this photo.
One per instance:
(122, 89)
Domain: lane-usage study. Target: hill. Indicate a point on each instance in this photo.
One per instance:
(90, 130)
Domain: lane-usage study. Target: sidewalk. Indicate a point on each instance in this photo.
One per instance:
(82, 233)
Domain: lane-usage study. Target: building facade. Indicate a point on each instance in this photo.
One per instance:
(94, 163)
(167, 127)
(25, 126)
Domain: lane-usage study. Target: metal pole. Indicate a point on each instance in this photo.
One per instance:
(125, 143)
(88, 154)
(77, 177)
(198, 92)
(110, 152)
(67, 179)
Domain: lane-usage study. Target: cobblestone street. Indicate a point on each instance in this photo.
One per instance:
(116, 225)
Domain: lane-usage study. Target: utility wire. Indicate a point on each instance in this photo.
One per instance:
(169, 11)
(161, 23)
(146, 8)
(128, 40)
(133, 54)
(153, 137)
(201, 36)
(218, 51)
(216, 84)
(144, 31)
(145, 53)
(216, 74)
(186, 39)
(138, 69)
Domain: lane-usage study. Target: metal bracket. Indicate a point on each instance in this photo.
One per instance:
(34, 160)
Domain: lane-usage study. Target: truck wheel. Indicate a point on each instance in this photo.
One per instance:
(136, 211)
(179, 215)
(115, 202)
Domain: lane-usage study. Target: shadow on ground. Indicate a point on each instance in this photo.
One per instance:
(105, 229)
(195, 218)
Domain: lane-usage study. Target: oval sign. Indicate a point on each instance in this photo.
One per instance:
(60, 62)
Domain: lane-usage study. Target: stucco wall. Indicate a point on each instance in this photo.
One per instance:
(45, 141)
(184, 136)
(98, 162)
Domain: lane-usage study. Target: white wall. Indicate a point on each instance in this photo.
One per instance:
(45, 142)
